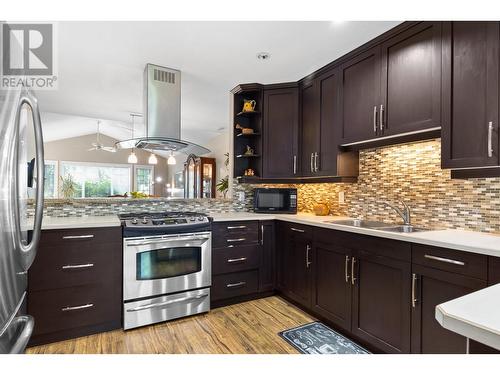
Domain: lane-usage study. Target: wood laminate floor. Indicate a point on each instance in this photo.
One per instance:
(249, 327)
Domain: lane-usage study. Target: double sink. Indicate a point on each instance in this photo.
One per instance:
(377, 225)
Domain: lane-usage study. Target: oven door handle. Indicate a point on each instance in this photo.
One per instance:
(176, 239)
(167, 303)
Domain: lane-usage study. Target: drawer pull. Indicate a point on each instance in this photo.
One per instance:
(236, 285)
(82, 237)
(77, 266)
(235, 260)
(167, 303)
(297, 230)
(236, 239)
(81, 307)
(445, 260)
(237, 227)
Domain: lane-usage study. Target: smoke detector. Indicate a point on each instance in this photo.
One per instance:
(263, 56)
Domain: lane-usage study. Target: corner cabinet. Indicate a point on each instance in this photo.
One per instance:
(281, 131)
(470, 95)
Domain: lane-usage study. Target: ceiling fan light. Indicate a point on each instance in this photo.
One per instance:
(171, 159)
(152, 159)
(132, 158)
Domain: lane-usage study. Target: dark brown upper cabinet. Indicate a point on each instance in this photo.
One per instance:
(360, 96)
(411, 81)
(281, 130)
(470, 95)
(394, 88)
(320, 120)
(310, 128)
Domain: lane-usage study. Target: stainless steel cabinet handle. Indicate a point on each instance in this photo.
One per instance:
(316, 156)
(294, 164)
(308, 249)
(445, 260)
(413, 292)
(312, 162)
(237, 227)
(81, 307)
(375, 119)
(346, 268)
(353, 278)
(82, 237)
(235, 285)
(28, 251)
(77, 266)
(235, 260)
(381, 114)
(297, 230)
(490, 136)
(262, 234)
(235, 239)
(167, 303)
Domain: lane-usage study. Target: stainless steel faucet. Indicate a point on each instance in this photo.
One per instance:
(405, 213)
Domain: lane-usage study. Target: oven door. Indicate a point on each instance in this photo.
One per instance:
(166, 264)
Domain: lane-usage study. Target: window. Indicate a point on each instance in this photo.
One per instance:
(51, 176)
(144, 179)
(96, 179)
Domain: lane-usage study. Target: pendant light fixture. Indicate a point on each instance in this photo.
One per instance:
(152, 159)
(171, 159)
(132, 158)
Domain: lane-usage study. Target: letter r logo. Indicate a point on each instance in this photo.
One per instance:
(27, 49)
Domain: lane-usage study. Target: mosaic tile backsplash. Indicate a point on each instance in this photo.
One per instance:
(110, 206)
(409, 172)
(412, 173)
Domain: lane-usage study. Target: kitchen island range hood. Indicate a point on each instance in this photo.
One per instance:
(162, 114)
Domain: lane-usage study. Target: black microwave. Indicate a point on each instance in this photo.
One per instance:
(275, 200)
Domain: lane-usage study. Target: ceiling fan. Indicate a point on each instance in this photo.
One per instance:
(98, 146)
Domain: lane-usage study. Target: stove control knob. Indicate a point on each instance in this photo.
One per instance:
(134, 221)
(145, 220)
(192, 218)
(200, 218)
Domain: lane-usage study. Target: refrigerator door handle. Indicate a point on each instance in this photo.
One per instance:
(21, 341)
(28, 251)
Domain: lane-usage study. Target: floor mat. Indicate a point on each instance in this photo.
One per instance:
(316, 338)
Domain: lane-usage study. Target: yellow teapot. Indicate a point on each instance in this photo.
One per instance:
(249, 105)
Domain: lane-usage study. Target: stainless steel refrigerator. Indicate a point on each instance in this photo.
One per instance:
(21, 165)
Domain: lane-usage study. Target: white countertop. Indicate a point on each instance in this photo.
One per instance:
(73, 222)
(474, 242)
(475, 315)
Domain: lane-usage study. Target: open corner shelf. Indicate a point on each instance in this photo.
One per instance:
(248, 135)
(248, 156)
(248, 113)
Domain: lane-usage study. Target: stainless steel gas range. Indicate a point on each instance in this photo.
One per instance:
(166, 266)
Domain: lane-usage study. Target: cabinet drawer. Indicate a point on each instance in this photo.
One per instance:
(463, 263)
(62, 309)
(292, 229)
(62, 266)
(80, 238)
(235, 233)
(234, 259)
(234, 284)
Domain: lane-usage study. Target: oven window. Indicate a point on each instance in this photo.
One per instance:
(165, 263)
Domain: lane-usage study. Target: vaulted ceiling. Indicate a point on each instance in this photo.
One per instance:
(100, 67)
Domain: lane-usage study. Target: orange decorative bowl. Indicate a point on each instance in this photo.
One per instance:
(321, 209)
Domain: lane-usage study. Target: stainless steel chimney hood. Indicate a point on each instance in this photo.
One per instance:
(162, 114)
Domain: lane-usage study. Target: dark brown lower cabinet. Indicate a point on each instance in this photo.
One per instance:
(331, 283)
(494, 270)
(267, 280)
(432, 287)
(75, 283)
(381, 302)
